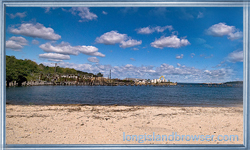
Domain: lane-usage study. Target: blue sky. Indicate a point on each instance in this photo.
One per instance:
(182, 44)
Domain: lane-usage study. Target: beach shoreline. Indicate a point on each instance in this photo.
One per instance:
(97, 124)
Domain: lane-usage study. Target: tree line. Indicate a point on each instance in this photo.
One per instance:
(27, 70)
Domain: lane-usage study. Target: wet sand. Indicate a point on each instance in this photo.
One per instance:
(76, 124)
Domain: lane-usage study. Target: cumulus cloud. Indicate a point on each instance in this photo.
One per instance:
(35, 30)
(179, 56)
(149, 30)
(62, 48)
(236, 56)
(16, 43)
(145, 30)
(66, 48)
(113, 37)
(221, 29)
(180, 73)
(130, 43)
(236, 35)
(171, 41)
(18, 14)
(35, 42)
(93, 59)
(96, 54)
(54, 56)
(82, 12)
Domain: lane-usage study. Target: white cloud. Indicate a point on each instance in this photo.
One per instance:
(236, 56)
(149, 30)
(16, 43)
(145, 30)
(35, 42)
(192, 55)
(132, 59)
(104, 12)
(130, 43)
(97, 54)
(54, 56)
(18, 14)
(178, 64)
(221, 29)
(135, 49)
(83, 12)
(93, 59)
(170, 41)
(161, 29)
(56, 60)
(179, 56)
(35, 30)
(66, 48)
(19, 39)
(111, 38)
(234, 36)
(62, 48)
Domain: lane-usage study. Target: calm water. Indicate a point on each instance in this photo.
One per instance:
(126, 95)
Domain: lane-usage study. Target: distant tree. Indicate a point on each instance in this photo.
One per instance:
(99, 75)
(26, 70)
(15, 71)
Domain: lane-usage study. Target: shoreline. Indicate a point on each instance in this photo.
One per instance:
(113, 105)
(74, 124)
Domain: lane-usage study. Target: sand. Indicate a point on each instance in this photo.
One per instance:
(75, 124)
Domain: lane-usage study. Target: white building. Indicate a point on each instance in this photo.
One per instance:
(158, 81)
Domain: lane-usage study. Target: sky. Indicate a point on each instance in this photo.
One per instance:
(182, 44)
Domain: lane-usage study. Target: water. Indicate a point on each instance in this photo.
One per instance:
(127, 95)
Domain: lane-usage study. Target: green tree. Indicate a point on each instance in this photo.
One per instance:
(26, 70)
(99, 75)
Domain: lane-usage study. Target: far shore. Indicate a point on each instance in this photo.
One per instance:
(113, 105)
(95, 124)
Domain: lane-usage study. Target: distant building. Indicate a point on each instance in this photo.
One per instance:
(159, 81)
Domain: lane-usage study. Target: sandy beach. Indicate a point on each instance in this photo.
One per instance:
(76, 124)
